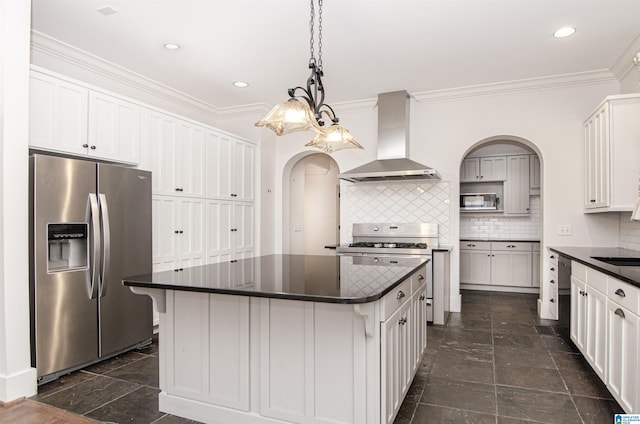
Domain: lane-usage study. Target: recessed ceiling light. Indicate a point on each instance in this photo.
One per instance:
(107, 10)
(172, 46)
(564, 32)
(241, 84)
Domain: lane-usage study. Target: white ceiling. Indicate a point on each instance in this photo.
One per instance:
(369, 46)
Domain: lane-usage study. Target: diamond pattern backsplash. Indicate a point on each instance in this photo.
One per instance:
(396, 202)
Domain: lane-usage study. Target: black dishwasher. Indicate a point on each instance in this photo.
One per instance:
(564, 274)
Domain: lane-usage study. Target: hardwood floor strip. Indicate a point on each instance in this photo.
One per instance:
(30, 412)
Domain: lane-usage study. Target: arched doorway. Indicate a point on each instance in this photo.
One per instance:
(313, 205)
(512, 169)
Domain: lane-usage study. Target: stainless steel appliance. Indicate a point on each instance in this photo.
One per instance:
(479, 202)
(90, 227)
(402, 244)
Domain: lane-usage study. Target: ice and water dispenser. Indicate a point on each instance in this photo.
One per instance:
(68, 246)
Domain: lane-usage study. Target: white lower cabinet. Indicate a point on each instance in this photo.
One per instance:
(178, 232)
(622, 377)
(497, 263)
(396, 352)
(606, 328)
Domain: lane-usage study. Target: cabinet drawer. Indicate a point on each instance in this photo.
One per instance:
(395, 298)
(596, 279)
(623, 294)
(579, 271)
(418, 279)
(511, 246)
(475, 245)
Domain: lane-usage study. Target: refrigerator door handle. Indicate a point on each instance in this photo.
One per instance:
(106, 246)
(94, 215)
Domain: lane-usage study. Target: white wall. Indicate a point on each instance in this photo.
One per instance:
(17, 378)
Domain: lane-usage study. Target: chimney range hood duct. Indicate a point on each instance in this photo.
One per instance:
(393, 162)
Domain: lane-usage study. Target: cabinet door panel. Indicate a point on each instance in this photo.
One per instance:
(470, 170)
(161, 134)
(243, 216)
(479, 267)
(596, 331)
(57, 115)
(115, 131)
(493, 168)
(165, 222)
(190, 160)
(622, 364)
(193, 227)
(578, 313)
(516, 186)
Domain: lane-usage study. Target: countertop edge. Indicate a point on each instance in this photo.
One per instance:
(131, 282)
(579, 254)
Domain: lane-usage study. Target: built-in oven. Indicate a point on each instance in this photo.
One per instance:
(404, 244)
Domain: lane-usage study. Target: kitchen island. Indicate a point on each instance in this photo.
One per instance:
(289, 338)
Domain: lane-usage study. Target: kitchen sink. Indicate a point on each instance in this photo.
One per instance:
(618, 260)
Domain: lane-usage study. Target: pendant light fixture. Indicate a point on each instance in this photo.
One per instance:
(306, 110)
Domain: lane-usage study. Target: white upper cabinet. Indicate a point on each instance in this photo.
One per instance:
(57, 115)
(230, 171)
(115, 128)
(491, 168)
(65, 117)
(177, 155)
(612, 155)
(516, 186)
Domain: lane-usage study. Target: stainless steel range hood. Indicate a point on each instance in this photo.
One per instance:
(393, 162)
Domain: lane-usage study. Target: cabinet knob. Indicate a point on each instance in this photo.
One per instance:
(177, 232)
(552, 300)
(593, 200)
(553, 269)
(422, 297)
(400, 295)
(85, 145)
(552, 257)
(471, 245)
(552, 282)
(420, 277)
(620, 293)
(511, 246)
(93, 147)
(620, 313)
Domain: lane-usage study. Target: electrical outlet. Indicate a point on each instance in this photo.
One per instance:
(297, 228)
(564, 230)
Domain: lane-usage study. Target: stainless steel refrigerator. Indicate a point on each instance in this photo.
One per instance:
(90, 227)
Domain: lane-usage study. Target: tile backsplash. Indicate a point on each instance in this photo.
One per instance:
(396, 202)
(477, 225)
(629, 232)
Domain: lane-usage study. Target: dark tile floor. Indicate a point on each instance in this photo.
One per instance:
(489, 364)
(497, 362)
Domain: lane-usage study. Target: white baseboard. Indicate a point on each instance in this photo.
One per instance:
(19, 385)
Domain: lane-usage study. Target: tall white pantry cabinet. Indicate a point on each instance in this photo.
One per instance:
(203, 178)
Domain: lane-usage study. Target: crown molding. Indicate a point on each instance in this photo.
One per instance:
(625, 64)
(85, 60)
(517, 86)
(79, 58)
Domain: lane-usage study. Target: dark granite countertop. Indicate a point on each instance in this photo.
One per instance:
(334, 279)
(628, 274)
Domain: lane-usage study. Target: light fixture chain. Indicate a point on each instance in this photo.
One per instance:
(319, 34)
(312, 21)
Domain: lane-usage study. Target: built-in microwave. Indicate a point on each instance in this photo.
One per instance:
(479, 202)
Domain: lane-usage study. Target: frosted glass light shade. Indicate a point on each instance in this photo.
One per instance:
(289, 117)
(334, 138)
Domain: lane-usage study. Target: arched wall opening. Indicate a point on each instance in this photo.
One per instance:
(311, 216)
(498, 225)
